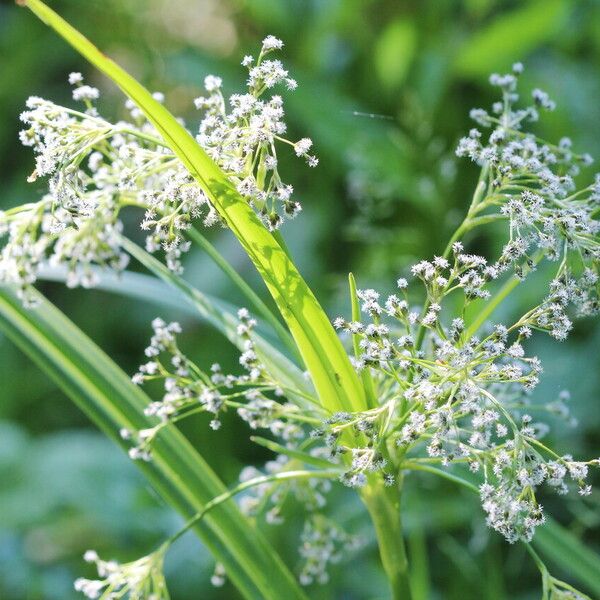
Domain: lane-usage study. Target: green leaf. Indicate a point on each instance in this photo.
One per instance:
(334, 378)
(133, 285)
(510, 37)
(261, 308)
(177, 471)
(151, 289)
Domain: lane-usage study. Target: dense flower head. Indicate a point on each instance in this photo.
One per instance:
(242, 134)
(453, 397)
(142, 579)
(531, 182)
(96, 168)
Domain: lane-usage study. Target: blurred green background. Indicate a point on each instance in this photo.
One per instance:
(388, 190)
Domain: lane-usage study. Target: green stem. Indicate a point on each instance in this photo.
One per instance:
(383, 504)
(419, 571)
(413, 466)
(463, 228)
(326, 474)
(542, 568)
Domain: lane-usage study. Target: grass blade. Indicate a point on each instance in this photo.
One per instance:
(262, 310)
(335, 380)
(177, 471)
(138, 286)
(150, 289)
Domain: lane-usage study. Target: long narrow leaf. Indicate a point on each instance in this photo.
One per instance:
(138, 286)
(334, 378)
(177, 471)
(261, 308)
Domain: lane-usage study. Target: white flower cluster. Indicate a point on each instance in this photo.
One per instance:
(37, 233)
(323, 543)
(518, 469)
(142, 579)
(531, 182)
(261, 412)
(456, 397)
(269, 497)
(190, 390)
(344, 435)
(219, 576)
(76, 224)
(466, 273)
(97, 168)
(565, 291)
(242, 135)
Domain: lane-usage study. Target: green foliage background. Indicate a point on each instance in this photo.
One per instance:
(388, 190)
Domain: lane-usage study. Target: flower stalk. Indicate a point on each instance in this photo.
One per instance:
(383, 505)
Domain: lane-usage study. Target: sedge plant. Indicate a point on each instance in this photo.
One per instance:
(423, 380)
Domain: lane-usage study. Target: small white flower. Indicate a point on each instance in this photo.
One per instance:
(303, 146)
(90, 556)
(75, 78)
(271, 43)
(212, 83)
(86, 92)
